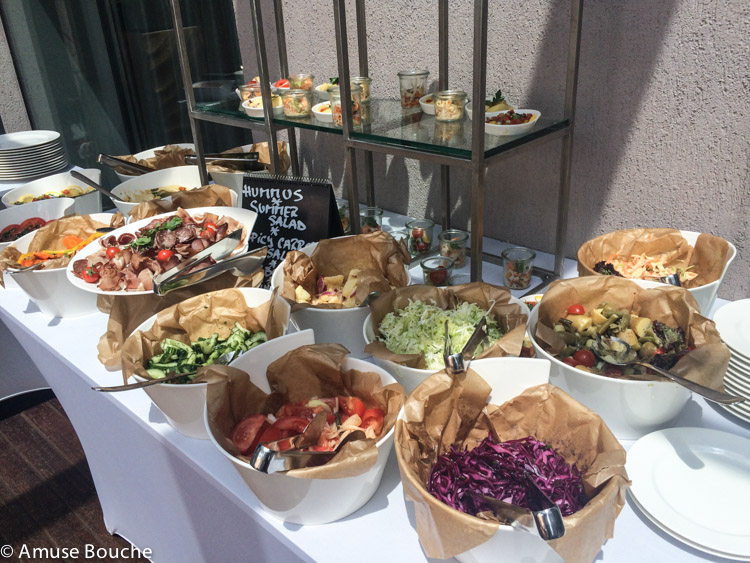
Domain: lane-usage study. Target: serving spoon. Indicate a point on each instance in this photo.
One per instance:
(78, 176)
(617, 352)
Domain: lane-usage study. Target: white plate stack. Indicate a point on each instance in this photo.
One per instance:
(733, 323)
(31, 154)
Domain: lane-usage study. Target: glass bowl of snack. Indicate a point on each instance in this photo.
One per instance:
(449, 105)
(413, 86)
(437, 270)
(420, 236)
(301, 81)
(297, 103)
(453, 244)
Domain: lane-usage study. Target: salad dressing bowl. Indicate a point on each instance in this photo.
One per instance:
(292, 499)
(84, 204)
(183, 176)
(183, 404)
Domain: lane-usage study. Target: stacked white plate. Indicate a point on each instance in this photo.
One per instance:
(733, 323)
(31, 154)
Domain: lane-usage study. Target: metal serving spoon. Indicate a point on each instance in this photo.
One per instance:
(78, 176)
(617, 352)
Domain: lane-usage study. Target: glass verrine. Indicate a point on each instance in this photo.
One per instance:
(437, 270)
(336, 111)
(449, 105)
(370, 219)
(343, 206)
(420, 236)
(518, 263)
(413, 85)
(363, 82)
(300, 81)
(297, 103)
(453, 244)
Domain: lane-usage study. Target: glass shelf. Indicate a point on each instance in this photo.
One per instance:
(392, 125)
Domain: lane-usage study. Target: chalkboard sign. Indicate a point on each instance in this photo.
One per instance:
(292, 213)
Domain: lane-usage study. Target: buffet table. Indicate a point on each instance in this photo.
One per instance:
(183, 500)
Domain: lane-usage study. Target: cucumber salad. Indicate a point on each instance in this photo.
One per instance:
(420, 328)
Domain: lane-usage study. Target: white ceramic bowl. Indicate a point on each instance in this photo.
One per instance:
(47, 209)
(427, 107)
(406, 376)
(631, 409)
(183, 405)
(84, 204)
(469, 111)
(306, 501)
(278, 111)
(245, 217)
(50, 289)
(323, 95)
(149, 153)
(508, 377)
(507, 130)
(331, 325)
(326, 117)
(186, 176)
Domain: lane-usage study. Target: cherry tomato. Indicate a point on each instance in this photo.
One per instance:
(373, 418)
(438, 276)
(585, 358)
(112, 251)
(576, 309)
(570, 361)
(295, 423)
(89, 275)
(164, 255)
(351, 406)
(247, 432)
(209, 225)
(281, 83)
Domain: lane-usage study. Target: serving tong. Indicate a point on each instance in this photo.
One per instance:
(544, 516)
(113, 162)
(269, 458)
(243, 160)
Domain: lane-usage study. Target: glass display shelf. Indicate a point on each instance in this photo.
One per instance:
(390, 124)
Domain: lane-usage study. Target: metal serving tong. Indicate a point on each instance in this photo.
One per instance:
(671, 279)
(543, 518)
(244, 160)
(459, 363)
(132, 167)
(268, 458)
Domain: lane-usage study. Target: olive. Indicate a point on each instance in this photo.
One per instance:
(647, 351)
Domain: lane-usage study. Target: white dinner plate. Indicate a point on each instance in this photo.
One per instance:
(734, 411)
(739, 386)
(733, 324)
(21, 141)
(739, 359)
(695, 483)
(245, 217)
(743, 406)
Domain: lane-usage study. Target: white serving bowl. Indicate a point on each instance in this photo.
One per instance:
(245, 217)
(187, 176)
(469, 111)
(183, 405)
(47, 209)
(326, 117)
(343, 326)
(427, 107)
(50, 289)
(323, 95)
(408, 377)
(84, 204)
(278, 111)
(306, 501)
(508, 378)
(631, 409)
(150, 153)
(233, 180)
(507, 130)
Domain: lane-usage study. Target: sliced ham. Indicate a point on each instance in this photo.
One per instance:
(166, 239)
(147, 279)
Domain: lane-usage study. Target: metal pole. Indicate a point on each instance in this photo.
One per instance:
(278, 11)
(187, 80)
(342, 50)
(566, 156)
(265, 87)
(364, 70)
(478, 169)
(445, 175)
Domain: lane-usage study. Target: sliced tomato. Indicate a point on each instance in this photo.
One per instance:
(33, 223)
(373, 418)
(570, 361)
(351, 406)
(209, 226)
(112, 251)
(294, 409)
(10, 233)
(247, 432)
(295, 423)
(281, 83)
(270, 434)
(576, 309)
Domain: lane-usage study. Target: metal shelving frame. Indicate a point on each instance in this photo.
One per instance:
(477, 160)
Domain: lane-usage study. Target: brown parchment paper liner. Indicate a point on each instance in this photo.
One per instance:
(212, 195)
(674, 306)
(708, 258)
(168, 157)
(199, 317)
(49, 237)
(378, 255)
(444, 410)
(127, 312)
(511, 317)
(264, 157)
(309, 371)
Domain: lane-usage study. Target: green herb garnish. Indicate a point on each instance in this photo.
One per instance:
(147, 238)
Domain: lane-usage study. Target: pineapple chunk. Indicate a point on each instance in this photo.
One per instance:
(640, 325)
(629, 336)
(580, 322)
(597, 318)
(333, 282)
(350, 288)
(301, 295)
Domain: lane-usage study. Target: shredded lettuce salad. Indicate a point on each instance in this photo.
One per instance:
(420, 327)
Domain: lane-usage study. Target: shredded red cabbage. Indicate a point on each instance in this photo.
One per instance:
(499, 470)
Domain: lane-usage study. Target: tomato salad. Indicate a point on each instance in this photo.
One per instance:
(130, 261)
(344, 414)
(16, 231)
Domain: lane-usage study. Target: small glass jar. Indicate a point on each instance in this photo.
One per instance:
(437, 271)
(364, 83)
(453, 245)
(343, 206)
(297, 103)
(420, 236)
(413, 84)
(301, 81)
(518, 263)
(249, 90)
(449, 105)
(400, 235)
(370, 219)
(336, 111)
